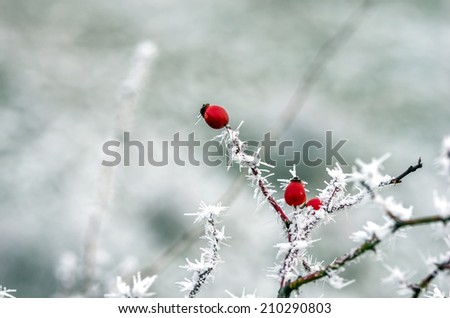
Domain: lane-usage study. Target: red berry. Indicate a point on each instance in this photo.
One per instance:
(295, 194)
(315, 203)
(215, 116)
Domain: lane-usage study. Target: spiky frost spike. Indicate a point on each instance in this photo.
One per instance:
(202, 269)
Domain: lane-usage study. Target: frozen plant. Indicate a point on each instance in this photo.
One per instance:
(202, 269)
(297, 267)
(367, 180)
(139, 290)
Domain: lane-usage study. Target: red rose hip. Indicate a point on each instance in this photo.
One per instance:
(295, 194)
(215, 116)
(315, 203)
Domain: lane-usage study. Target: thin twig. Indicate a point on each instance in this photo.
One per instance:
(407, 172)
(422, 220)
(425, 282)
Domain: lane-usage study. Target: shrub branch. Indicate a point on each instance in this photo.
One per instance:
(368, 245)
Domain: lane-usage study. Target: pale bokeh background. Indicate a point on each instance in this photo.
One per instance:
(61, 68)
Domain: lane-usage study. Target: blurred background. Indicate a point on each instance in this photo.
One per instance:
(383, 86)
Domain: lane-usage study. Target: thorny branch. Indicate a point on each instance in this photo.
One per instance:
(256, 172)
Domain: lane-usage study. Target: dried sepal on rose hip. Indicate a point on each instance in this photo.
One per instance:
(214, 115)
(295, 194)
(315, 203)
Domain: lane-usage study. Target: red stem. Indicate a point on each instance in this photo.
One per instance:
(271, 199)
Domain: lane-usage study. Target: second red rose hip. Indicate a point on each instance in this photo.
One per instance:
(315, 203)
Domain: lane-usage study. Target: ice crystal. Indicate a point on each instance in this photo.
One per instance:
(399, 277)
(372, 229)
(337, 281)
(139, 290)
(285, 182)
(205, 212)
(397, 210)
(6, 293)
(436, 293)
(243, 295)
(334, 196)
(442, 205)
(360, 236)
(369, 173)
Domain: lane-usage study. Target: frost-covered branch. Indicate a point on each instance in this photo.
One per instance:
(367, 245)
(202, 269)
(139, 290)
(367, 175)
(335, 197)
(303, 221)
(339, 262)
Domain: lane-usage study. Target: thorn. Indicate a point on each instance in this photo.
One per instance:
(198, 119)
